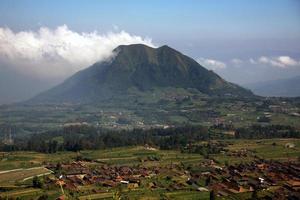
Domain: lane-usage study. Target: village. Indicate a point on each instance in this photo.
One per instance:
(272, 179)
(241, 169)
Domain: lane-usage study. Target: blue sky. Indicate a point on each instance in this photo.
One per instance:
(193, 19)
(242, 40)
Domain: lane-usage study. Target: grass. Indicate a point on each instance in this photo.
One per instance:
(21, 193)
(270, 148)
(96, 196)
(132, 155)
(14, 160)
(187, 195)
(11, 177)
(265, 148)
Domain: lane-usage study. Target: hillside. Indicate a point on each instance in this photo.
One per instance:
(282, 87)
(140, 68)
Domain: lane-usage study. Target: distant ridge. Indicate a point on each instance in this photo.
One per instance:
(143, 68)
(277, 88)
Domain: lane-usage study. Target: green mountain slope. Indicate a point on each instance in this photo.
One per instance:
(141, 68)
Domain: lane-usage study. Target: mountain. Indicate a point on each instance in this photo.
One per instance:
(282, 87)
(141, 68)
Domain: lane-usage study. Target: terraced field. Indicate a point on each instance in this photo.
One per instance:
(10, 177)
(16, 182)
(266, 148)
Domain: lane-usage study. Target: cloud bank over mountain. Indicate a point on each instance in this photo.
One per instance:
(59, 52)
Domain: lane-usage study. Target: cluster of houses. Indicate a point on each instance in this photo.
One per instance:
(282, 179)
(285, 108)
(258, 175)
(81, 173)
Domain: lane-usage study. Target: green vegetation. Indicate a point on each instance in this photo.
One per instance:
(142, 68)
(156, 108)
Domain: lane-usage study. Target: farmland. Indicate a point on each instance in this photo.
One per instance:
(154, 109)
(10, 177)
(159, 174)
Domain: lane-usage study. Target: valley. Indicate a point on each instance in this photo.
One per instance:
(154, 109)
(151, 123)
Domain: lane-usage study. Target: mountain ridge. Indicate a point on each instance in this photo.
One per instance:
(142, 67)
(287, 87)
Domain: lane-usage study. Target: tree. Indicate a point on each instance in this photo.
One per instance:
(254, 195)
(43, 197)
(226, 163)
(212, 195)
(207, 181)
(36, 182)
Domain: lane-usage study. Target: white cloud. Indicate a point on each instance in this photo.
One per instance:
(59, 52)
(237, 61)
(211, 63)
(280, 61)
(252, 61)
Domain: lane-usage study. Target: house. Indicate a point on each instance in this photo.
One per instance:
(262, 166)
(293, 185)
(152, 185)
(119, 179)
(70, 186)
(109, 183)
(132, 186)
(62, 197)
(289, 145)
(202, 189)
(124, 182)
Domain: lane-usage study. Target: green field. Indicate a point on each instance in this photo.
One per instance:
(12, 176)
(153, 108)
(266, 148)
(17, 183)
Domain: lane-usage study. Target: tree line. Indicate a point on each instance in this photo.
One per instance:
(76, 138)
